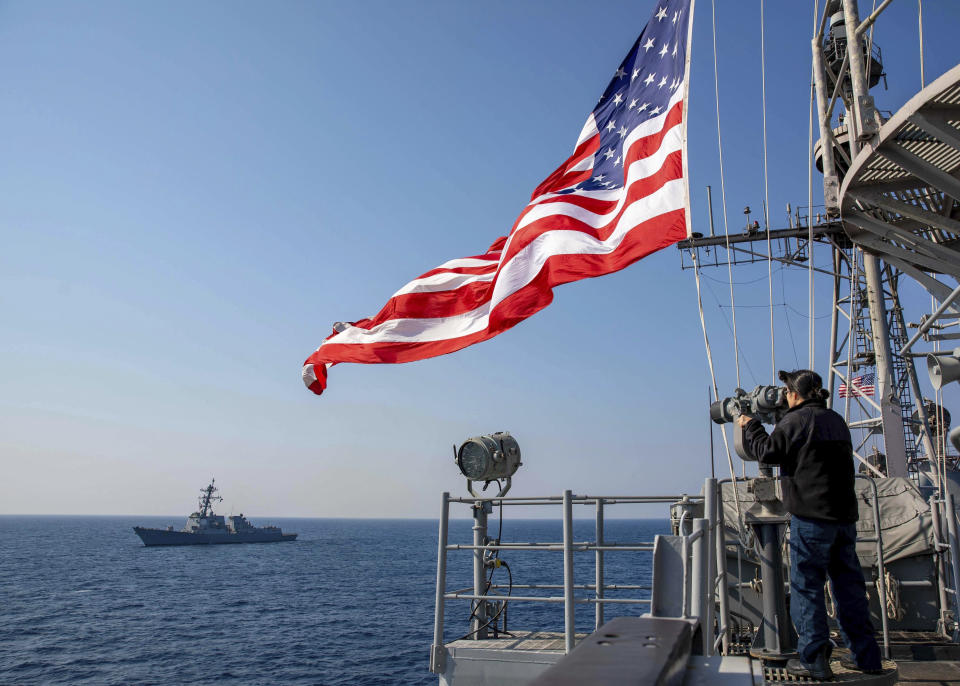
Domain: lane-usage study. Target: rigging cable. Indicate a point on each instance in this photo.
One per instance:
(810, 335)
(766, 194)
(786, 316)
(720, 306)
(920, 22)
(723, 197)
(716, 393)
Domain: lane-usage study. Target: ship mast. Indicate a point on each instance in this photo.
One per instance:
(207, 498)
(887, 214)
(863, 123)
(891, 210)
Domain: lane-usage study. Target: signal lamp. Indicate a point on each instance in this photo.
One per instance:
(487, 458)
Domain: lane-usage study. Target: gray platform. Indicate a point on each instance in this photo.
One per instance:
(510, 661)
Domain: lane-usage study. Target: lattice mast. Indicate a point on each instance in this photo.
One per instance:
(844, 60)
(868, 330)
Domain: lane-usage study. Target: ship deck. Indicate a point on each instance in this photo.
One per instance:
(922, 660)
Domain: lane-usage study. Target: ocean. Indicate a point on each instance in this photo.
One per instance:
(82, 601)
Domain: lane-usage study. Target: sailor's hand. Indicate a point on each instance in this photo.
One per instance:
(743, 420)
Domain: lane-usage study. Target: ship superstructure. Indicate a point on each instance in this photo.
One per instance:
(205, 527)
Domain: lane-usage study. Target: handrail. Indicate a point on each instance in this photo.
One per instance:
(939, 547)
(579, 547)
(881, 568)
(550, 599)
(436, 651)
(579, 587)
(568, 547)
(954, 544)
(580, 499)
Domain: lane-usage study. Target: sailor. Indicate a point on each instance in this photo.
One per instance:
(812, 446)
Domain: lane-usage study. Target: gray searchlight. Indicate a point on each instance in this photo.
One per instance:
(490, 457)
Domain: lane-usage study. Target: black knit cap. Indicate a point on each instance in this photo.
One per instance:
(804, 382)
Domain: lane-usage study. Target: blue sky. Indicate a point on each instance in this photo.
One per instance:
(194, 192)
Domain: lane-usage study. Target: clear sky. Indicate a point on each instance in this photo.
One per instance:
(194, 192)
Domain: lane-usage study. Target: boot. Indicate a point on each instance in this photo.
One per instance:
(818, 670)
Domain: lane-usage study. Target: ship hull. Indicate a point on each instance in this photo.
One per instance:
(158, 537)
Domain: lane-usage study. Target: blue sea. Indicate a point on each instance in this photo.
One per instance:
(82, 601)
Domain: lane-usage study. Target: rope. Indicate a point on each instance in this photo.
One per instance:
(893, 609)
(810, 338)
(716, 391)
(766, 192)
(723, 197)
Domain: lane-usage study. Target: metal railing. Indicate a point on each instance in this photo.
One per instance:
(481, 592)
(941, 508)
(881, 568)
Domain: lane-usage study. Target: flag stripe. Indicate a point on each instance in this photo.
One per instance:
(561, 269)
(638, 170)
(656, 232)
(573, 217)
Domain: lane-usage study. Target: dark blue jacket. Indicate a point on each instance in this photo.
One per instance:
(813, 448)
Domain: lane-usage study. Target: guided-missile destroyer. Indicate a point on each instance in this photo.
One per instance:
(203, 527)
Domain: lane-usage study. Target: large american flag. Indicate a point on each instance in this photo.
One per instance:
(861, 385)
(620, 196)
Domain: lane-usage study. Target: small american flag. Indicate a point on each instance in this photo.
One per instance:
(862, 385)
(620, 196)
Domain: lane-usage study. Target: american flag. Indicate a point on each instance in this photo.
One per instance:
(619, 197)
(862, 385)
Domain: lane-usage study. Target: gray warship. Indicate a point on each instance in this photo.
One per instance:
(203, 527)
